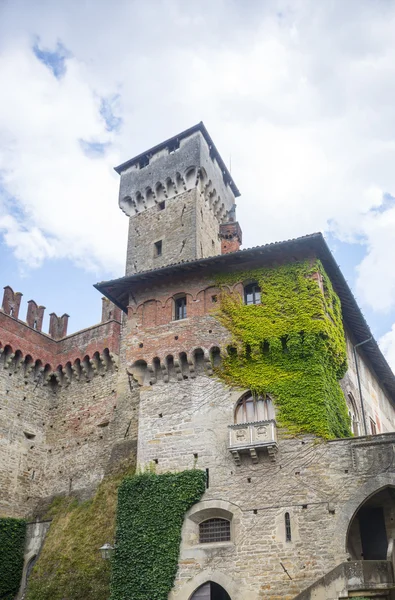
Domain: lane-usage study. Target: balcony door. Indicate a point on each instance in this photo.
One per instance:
(210, 591)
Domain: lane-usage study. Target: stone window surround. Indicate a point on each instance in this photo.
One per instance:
(210, 509)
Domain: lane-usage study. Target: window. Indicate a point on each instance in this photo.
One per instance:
(373, 427)
(353, 414)
(251, 409)
(180, 308)
(143, 162)
(162, 205)
(214, 530)
(158, 248)
(288, 533)
(252, 294)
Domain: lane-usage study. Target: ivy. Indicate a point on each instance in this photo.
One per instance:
(291, 346)
(12, 543)
(151, 510)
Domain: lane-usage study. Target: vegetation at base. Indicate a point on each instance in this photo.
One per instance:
(12, 542)
(291, 346)
(69, 565)
(151, 510)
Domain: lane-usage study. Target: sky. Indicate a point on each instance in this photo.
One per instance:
(298, 96)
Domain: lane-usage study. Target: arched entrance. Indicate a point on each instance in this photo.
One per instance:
(210, 591)
(372, 527)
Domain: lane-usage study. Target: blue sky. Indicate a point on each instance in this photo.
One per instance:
(297, 96)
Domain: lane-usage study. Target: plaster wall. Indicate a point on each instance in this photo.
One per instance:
(378, 405)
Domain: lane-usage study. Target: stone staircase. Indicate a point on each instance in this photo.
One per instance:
(361, 579)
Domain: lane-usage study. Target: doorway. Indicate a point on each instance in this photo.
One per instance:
(210, 591)
(373, 534)
(372, 527)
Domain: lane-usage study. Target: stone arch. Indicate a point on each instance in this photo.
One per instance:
(149, 197)
(190, 177)
(198, 360)
(361, 495)
(160, 192)
(231, 587)
(126, 205)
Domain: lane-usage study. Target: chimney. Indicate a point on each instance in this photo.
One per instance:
(11, 302)
(231, 237)
(58, 326)
(35, 315)
(109, 311)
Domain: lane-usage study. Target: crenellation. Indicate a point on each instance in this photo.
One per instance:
(11, 302)
(35, 315)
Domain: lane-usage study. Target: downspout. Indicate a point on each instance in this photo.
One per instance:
(359, 381)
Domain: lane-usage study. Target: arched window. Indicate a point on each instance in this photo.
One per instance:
(252, 293)
(214, 530)
(251, 408)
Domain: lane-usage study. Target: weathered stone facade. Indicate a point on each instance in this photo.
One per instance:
(146, 382)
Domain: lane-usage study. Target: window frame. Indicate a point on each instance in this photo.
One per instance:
(255, 292)
(180, 310)
(241, 406)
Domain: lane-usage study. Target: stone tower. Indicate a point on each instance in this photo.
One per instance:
(176, 195)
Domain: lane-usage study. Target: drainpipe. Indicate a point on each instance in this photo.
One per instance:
(359, 381)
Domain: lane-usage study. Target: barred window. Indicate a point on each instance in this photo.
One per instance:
(214, 530)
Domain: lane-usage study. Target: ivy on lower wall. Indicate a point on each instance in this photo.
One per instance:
(291, 346)
(69, 565)
(12, 542)
(151, 510)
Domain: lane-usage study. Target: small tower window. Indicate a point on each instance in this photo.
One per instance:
(158, 248)
(162, 205)
(288, 533)
(214, 530)
(180, 308)
(252, 294)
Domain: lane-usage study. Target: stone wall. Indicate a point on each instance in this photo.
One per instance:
(320, 484)
(68, 413)
(24, 417)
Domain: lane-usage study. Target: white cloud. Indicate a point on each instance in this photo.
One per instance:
(387, 345)
(299, 94)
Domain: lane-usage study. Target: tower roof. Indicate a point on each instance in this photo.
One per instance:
(175, 140)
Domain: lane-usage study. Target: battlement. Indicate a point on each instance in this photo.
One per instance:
(170, 167)
(177, 196)
(23, 344)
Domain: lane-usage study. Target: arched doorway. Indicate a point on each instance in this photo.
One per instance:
(210, 591)
(372, 527)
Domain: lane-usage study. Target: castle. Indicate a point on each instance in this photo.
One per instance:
(255, 366)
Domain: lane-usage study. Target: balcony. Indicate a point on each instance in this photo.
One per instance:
(249, 438)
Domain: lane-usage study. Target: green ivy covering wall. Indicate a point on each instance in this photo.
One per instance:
(151, 510)
(291, 346)
(12, 542)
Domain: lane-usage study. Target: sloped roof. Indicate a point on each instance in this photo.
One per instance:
(117, 290)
